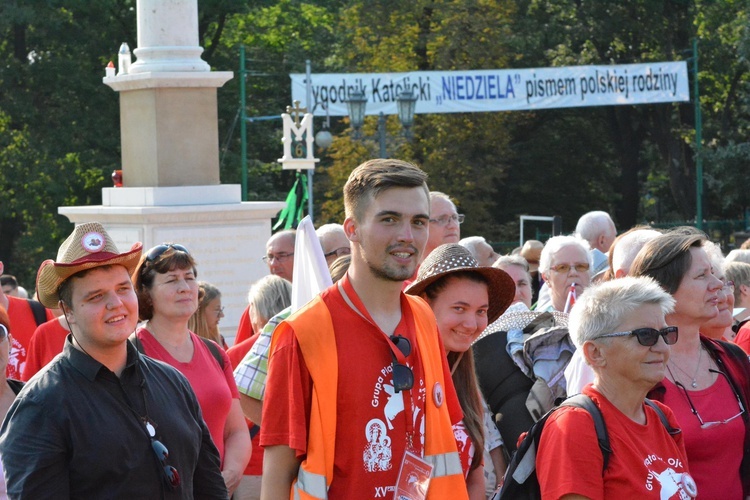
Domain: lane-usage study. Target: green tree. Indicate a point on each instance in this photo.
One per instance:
(464, 154)
(59, 125)
(648, 141)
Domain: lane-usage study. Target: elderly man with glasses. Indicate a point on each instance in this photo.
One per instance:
(280, 253)
(334, 242)
(445, 222)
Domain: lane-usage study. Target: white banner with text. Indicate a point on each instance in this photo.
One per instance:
(475, 91)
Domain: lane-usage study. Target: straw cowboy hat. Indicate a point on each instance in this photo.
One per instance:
(89, 246)
(453, 258)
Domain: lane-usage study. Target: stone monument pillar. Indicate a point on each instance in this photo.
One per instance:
(170, 160)
(168, 117)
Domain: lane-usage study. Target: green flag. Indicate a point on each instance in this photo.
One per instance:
(294, 211)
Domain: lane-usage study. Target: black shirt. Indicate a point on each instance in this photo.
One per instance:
(76, 431)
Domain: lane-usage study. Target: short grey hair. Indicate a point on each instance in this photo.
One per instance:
(716, 257)
(556, 243)
(283, 234)
(269, 296)
(592, 224)
(738, 256)
(440, 194)
(626, 249)
(471, 243)
(739, 272)
(326, 229)
(603, 307)
(511, 260)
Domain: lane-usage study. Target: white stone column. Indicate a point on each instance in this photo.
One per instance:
(170, 161)
(168, 112)
(168, 37)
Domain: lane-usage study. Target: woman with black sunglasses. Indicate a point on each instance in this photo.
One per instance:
(465, 299)
(707, 382)
(167, 288)
(620, 327)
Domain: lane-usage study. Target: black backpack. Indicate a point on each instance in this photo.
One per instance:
(521, 483)
(38, 310)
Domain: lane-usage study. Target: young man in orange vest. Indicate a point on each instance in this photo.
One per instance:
(359, 399)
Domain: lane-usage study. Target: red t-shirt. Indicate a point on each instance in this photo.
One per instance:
(46, 343)
(743, 338)
(236, 354)
(245, 328)
(22, 327)
(213, 388)
(715, 453)
(646, 462)
(238, 351)
(371, 418)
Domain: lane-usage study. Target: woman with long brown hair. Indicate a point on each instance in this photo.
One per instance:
(707, 384)
(205, 320)
(465, 299)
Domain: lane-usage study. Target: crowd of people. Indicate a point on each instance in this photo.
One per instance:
(415, 375)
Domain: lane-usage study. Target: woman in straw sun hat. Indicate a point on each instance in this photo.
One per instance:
(465, 299)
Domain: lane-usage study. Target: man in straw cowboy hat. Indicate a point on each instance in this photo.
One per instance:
(101, 420)
(358, 390)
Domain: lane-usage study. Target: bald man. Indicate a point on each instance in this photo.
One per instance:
(280, 253)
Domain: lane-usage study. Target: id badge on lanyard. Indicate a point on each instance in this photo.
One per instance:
(413, 478)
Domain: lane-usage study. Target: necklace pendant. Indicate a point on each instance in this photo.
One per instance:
(150, 428)
(694, 384)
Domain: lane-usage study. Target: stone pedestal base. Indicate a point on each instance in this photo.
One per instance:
(169, 128)
(227, 240)
(172, 196)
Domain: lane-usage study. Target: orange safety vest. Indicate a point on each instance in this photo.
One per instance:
(313, 329)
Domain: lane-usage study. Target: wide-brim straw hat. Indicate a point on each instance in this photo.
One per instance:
(89, 246)
(518, 320)
(453, 258)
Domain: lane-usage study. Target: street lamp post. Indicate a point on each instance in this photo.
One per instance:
(406, 104)
(357, 105)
